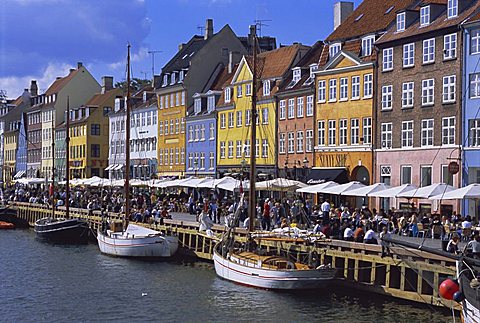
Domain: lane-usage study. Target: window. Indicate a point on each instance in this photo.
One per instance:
(409, 55)
(291, 142)
(387, 135)
(149, 118)
(452, 8)
(355, 87)
(401, 21)
(228, 94)
(264, 148)
(407, 94)
(367, 131)
(447, 178)
(247, 148)
(449, 89)
(248, 89)
(202, 132)
(425, 176)
(309, 141)
(197, 105)
(332, 88)
(448, 131)
(266, 88)
(299, 141)
(297, 74)
(427, 133)
(281, 143)
(282, 109)
(300, 107)
(354, 131)
(211, 103)
(154, 118)
(387, 93)
(212, 131)
(406, 174)
(239, 118)
(222, 149)
(321, 133)
(367, 45)
(474, 132)
(429, 51)
(367, 85)
(239, 91)
(322, 94)
(309, 105)
(332, 132)
(343, 89)
(450, 46)
(172, 103)
(265, 115)
(334, 49)
(407, 134)
(183, 98)
(230, 149)
(343, 131)
(172, 127)
(95, 148)
(222, 120)
(428, 90)
(197, 132)
(95, 130)
(424, 16)
(474, 42)
(190, 134)
(291, 108)
(212, 160)
(475, 86)
(231, 119)
(248, 117)
(257, 148)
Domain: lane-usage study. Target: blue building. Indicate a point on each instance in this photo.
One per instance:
(201, 123)
(471, 110)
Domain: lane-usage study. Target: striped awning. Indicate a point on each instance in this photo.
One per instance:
(110, 166)
(118, 167)
(19, 174)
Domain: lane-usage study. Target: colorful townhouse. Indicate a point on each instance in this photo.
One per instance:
(418, 115)
(61, 151)
(471, 109)
(234, 112)
(116, 139)
(79, 86)
(296, 117)
(5, 106)
(34, 135)
(89, 133)
(192, 70)
(345, 88)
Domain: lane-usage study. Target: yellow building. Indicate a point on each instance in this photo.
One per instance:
(89, 135)
(10, 154)
(344, 92)
(234, 112)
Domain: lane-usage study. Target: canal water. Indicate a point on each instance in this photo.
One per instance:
(51, 283)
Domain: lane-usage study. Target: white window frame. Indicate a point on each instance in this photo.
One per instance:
(308, 140)
(230, 149)
(355, 87)
(332, 132)
(474, 86)
(248, 89)
(450, 46)
(322, 91)
(344, 89)
(452, 9)
(266, 88)
(239, 118)
(291, 108)
(474, 133)
(354, 131)
(429, 51)
(265, 116)
(402, 177)
(223, 121)
(222, 149)
(428, 92)
(475, 42)
(281, 143)
(332, 90)
(387, 59)
(264, 148)
(300, 141)
(231, 119)
(300, 107)
(291, 142)
(282, 109)
(449, 89)
(228, 94)
(239, 91)
(367, 45)
(386, 135)
(424, 16)
(309, 111)
(333, 49)
(343, 132)
(368, 86)
(407, 134)
(321, 133)
(409, 55)
(448, 131)
(387, 97)
(427, 133)
(408, 93)
(367, 131)
(401, 21)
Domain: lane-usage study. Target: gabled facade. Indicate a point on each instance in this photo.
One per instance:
(34, 135)
(234, 112)
(419, 98)
(116, 157)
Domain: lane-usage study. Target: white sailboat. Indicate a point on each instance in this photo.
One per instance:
(246, 264)
(135, 240)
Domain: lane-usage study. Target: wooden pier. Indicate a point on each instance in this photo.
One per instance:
(410, 274)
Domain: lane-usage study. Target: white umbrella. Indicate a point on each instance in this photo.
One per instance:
(343, 189)
(367, 190)
(471, 191)
(232, 184)
(394, 191)
(193, 182)
(427, 191)
(280, 185)
(316, 188)
(212, 183)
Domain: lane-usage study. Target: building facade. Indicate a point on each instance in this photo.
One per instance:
(34, 135)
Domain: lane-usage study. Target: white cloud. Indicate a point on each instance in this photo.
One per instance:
(15, 85)
(137, 56)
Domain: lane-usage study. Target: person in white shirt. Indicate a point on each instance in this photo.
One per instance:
(467, 224)
(370, 237)
(385, 244)
(325, 207)
(348, 233)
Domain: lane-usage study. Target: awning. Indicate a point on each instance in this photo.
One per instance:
(19, 174)
(110, 166)
(118, 167)
(320, 175)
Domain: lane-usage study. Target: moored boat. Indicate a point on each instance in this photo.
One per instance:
(61, 230)
(6, 225)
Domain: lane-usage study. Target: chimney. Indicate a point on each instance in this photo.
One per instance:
(341, 11)
(71, 70)
(180, 46)
(79, 64)
(251, 34)
(107, 83)
(33, 88)
(233, 58)
(208, 29)
(157, 81)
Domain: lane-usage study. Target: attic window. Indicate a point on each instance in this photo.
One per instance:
(389, 10)
(359, 17)
(452, 8)
(425, 16)
(401, 21)
(185, 56)
(181, 75)
(334, 49)
(297, 74)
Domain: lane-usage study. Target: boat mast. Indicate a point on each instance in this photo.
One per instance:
(53, 165)
(127, 142)
(253, 137)
(67, 167)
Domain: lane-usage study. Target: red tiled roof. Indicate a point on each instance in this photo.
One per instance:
(60, 83)
(99, 99)
(375, 18)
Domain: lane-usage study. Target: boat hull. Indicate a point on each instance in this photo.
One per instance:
(142, 247)
(71, 231)
(272, 279)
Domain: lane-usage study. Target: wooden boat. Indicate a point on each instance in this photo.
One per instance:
(6, 225)
(61, 230)
(136, 241)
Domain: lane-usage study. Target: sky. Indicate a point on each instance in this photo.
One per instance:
(43, 39)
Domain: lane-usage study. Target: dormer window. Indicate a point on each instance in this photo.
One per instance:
(297, 74)
(228, 94)
(334, 49)
(367, 45)
(211, 103)
(425, 16)
(266, 88)
(401, 21)
(173, 79)
(313, 69)
(144, 96)
(197, 105)
(165, 80)
(181, 76)
(452, 8)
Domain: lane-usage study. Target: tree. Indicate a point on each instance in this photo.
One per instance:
(136, 84)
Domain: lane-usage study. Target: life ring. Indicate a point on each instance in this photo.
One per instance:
(314, 259)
